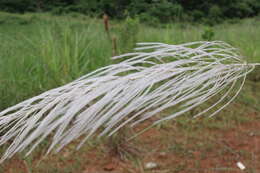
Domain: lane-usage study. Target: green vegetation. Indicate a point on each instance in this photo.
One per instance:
(207, 11)
(40, 51)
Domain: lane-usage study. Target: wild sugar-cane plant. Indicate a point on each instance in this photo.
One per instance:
(156, 77)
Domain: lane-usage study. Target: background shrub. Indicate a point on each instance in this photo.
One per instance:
(163, 10)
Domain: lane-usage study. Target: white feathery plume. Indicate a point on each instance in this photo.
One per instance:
(157, 77)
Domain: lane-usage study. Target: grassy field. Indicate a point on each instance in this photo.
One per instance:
(40, 51)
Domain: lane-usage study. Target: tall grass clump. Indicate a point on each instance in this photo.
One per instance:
(53, 54)
(68, 52)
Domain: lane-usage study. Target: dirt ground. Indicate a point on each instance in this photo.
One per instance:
(174, 147)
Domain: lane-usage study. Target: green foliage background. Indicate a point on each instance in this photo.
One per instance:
(208, 11)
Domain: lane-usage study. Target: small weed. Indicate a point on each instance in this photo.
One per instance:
(128, 34)
(118, 146)
(208, 34)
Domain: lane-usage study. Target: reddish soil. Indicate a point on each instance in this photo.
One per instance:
(229, 146)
